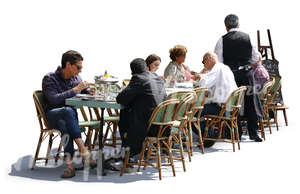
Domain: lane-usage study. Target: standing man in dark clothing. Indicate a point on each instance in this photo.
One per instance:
(57, 86)
(144, 92)
(236, 50)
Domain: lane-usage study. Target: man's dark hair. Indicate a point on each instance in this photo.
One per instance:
(231, 21)
(72, 56)
(138, 65)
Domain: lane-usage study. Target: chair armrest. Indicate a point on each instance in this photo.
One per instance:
(198, 108)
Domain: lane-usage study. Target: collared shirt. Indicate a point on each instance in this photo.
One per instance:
(219, 49)
(220, 82)
(56, 89)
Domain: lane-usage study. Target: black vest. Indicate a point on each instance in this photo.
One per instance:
(237, 49)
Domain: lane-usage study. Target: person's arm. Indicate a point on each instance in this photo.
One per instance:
(219, 50)
(51, 93)
(170, 70)
(188, 74)
(256, 56)
(209, 79)
(130, 93)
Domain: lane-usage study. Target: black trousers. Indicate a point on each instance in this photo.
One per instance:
(244, 78)
(251, 116)
(133, 136)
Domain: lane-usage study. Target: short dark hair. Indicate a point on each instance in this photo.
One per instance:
(177, 51)
(151, 58)
(231, 21)
(70, 56)
(138, 65)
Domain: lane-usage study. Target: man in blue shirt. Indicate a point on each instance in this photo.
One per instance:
(66, 83)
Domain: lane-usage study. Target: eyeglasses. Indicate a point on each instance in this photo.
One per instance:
(203, 62)
(78, 67)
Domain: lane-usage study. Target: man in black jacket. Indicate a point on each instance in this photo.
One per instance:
(144, 92)
(236, 50)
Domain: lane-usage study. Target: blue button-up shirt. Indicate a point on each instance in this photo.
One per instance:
(56, 89)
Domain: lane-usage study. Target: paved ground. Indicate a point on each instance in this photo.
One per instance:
(272, 165)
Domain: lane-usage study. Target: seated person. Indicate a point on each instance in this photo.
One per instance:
(261, 75)
(153, 62)
(219, 79)
(176, 67)
(143, 93)
(66, 83)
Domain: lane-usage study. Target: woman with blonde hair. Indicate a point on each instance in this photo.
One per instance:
(176, 68)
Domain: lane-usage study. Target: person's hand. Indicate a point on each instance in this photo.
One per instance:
(81, 86)
(91, 91)
(203, 71)
(198, 76)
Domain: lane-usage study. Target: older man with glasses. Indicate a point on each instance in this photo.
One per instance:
(219, 79)
(66, 83)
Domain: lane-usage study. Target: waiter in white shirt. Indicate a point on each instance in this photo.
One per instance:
(219, 79)
(236, 50)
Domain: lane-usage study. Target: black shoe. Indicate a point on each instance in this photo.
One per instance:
(208, 143)
(132, 160)
(256, 139)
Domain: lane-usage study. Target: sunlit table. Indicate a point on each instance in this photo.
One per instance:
(77, 103)
(185, 86)
(172, 90)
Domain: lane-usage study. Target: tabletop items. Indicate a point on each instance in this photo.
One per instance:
(106, 87)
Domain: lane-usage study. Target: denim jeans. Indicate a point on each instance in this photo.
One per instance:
(65, 120)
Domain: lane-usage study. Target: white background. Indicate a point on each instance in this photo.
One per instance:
(109, 34)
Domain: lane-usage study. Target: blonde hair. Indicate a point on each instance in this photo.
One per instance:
(177, 51)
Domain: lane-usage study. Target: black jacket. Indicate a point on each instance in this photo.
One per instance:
(144, 92)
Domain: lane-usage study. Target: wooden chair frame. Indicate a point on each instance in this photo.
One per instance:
(153, 144)
(45, 131)
(227, 117)
(197, 109)
(263, 96)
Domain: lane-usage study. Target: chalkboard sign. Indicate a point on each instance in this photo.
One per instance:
(271, 66)
(273, 70)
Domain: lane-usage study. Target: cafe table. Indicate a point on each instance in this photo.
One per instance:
(93, 103)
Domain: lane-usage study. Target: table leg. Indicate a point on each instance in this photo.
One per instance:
(100, 167)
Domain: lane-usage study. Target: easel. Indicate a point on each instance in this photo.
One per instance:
(264, 49)
(264, 53)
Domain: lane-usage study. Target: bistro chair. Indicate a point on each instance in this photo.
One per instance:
(110, 135)
(272, 103)
(180, 95)
(45, 130)
(163, 118)
(182, 116)
(265, 120)
(226, 118)
(201, 95)
(90, 124)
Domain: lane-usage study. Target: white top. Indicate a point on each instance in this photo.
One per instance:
(220, 82)
(219, 49)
